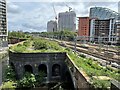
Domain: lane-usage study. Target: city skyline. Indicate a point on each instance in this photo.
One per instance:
(33, 16)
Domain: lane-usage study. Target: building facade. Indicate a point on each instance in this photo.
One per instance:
(83, 28)
(103, 30)
(101, 14)
(118, 31)
(99, 28)
(3, 24)
(67, 21)
(51, 26)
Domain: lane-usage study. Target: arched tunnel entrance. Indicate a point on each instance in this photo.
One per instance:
(12, 66)
(43, 69)
(28, 68)
(68, 82)
(56, 70)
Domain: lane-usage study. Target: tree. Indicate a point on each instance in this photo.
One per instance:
(63, 35)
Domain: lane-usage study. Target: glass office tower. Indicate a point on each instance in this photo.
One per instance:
(103, 13)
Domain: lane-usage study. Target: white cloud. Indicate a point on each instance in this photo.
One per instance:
(12, 8)
(30, 16)
(63, 0)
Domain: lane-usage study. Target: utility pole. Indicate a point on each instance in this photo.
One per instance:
(75, 40)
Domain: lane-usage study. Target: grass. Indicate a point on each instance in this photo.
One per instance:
(92, 68)
(36, 45)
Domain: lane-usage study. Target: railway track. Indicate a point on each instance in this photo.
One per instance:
(85, 50)
(95, 54)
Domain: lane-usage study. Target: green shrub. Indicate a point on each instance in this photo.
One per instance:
(19, 49)
(9, 74)
(82, 55)
(10, 85)
(101, 84)
(68, 49)
(27, 81)
(45, 44)
(26, 43)
(19, 45)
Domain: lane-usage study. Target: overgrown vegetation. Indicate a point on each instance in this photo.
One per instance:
(9, 74)
(29, 80)
(92, 68)
(37, 45)
(9, 85)
(45, 44)
(21, 47)
(9, 79)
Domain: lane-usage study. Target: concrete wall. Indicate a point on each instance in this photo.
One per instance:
(115, 85)
(3, 63)
(81, 81)
(0, 73)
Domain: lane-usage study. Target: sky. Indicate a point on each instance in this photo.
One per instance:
(33, 15)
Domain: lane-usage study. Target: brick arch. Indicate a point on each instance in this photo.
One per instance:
(28, 68)
(56, 70)
(12, 65)
(42, 68)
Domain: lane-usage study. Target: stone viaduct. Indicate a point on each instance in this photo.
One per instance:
(57, 66)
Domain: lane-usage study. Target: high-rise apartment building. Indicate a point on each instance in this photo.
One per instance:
(3, 24)
(67, 21)
(51, 26)
(83, 28)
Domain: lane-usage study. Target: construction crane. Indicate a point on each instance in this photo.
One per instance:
(55, 12)
(68, 7)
